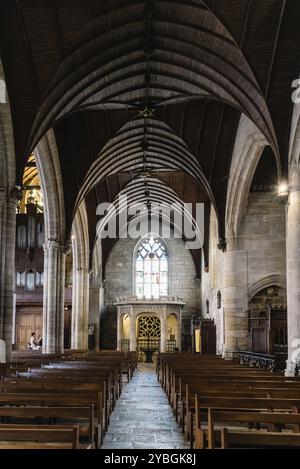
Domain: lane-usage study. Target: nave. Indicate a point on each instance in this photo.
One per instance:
(106, 401)
(149, 213)
(142, 418)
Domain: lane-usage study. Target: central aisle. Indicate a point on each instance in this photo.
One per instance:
(142, 418)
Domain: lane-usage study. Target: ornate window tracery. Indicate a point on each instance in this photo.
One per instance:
(148, 327)
(151, 269)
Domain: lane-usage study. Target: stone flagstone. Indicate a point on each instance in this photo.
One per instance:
(142, 418)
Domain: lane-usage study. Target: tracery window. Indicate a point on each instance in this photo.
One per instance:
(148, 327)
(151, 269)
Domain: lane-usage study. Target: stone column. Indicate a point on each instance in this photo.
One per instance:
(7, 269)
(54, 291)
(95, 309)
(80, 308)
(132, 331)
(163, 331)
(234, 300)
(119, 344)
(178, 331)
(293, 271)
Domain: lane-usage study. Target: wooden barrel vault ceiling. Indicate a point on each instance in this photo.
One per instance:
(156, 86)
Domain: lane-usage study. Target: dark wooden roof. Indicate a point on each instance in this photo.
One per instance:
(167, 79)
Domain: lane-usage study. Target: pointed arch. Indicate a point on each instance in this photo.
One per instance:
(151, 267)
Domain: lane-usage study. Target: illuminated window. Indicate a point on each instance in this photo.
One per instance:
(151, 267)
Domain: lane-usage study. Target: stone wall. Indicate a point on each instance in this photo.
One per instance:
(264, 233)
(119, 281)
(261, 242)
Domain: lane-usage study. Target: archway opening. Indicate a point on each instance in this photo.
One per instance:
(268, 323)
(173, 333)
(148, 331)
(125, 332)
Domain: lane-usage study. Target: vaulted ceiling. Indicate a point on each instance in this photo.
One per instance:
(156, 85)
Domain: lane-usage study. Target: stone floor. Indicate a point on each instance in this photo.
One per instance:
(142, 418)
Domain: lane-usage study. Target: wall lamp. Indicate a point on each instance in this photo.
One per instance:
(283, 190)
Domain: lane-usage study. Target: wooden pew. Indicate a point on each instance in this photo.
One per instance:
(258, 439)
(67, 383)
(91, 394)
(39, 437)
(186, 403)
(227, 417)
(223, 385)
(56, 400)
(83, 415)
(196, 415)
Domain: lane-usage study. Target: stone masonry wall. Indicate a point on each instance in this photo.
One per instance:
(264, 234)
(262, 239)
(119, 281)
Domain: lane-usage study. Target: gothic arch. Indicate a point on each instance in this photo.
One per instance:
(7, 149)
(265, 282)
(48, 165)
(8, 199)
(248, 148)
(47, 160)
(294, 147)
(80, 284)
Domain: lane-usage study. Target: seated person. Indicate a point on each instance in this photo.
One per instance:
(33, 345)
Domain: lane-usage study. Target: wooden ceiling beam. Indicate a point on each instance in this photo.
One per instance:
(275, 44)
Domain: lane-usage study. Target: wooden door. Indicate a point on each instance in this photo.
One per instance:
(260, 340)
(27, 321)
(208, 337)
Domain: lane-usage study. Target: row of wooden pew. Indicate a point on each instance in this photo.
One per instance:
(49, 401)
(220, 404)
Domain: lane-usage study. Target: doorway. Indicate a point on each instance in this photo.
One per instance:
(148, 337)
(28, 320)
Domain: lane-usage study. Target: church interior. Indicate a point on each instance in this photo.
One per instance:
(149, 224)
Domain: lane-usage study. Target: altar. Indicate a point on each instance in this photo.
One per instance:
(149, 325)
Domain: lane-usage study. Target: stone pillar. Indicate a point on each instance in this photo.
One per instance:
(178, 331)
(95, 309)
(163, 331)
(7, 269)
(234, 300)
(132, 331)
(2, 351)
(54, 291)
(293, 271)
(119, 344)
(80, 308)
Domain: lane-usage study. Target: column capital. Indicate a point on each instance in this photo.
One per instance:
(53, 244)
(11, 195)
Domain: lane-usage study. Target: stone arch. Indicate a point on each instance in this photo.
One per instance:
(125, 324)
(47, 160)
(80, 292)
(265, 282)
(294, 144)
(161, 194)
(149, 314)
(8, 200)
(7, 149)
(55, 247)
(110, 71)
(249, 145)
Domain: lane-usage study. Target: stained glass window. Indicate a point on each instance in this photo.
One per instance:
(151, 269)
